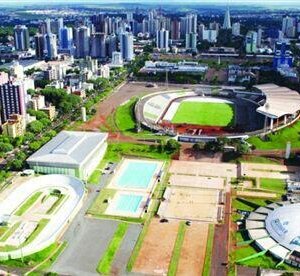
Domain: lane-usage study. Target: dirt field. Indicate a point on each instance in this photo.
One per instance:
(121, 95)
(156, 252)
(192, 204)
(203, 169)
(193, 250)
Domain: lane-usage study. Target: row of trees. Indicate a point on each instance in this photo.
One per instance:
(220, 145)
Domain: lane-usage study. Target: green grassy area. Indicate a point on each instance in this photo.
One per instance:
(32, 260)
(248, 204)
(207, 114)
(209, 249)
(99, 205)
(59, 200)
(45, 265)
(106, 261)
(124, 116)
(177, 249)
(10, 231)
(265, 261)
(257, 159)
(279, 139)
(27, 204)
(274, 185)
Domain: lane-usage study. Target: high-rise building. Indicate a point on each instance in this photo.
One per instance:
(259, 37)
(50, 46)
(100, 23)
(162, 40)
(82, 42)
(111, 44)
(12, 100)
(188, 24)
(39, 42)
(227, 20)
(126, 46)
(175, 29)
(289, 26)
(48, 25)
(251, 42)
(98, 45)
(65, 38)
(117, 59)
(191, 41)
(21, 36)
(236, 29)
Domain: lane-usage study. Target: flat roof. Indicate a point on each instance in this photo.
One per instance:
(280, 101)
(68, 148)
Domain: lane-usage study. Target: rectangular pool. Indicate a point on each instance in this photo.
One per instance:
(128, 203)
(137, 174)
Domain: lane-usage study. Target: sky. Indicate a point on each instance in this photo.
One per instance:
(282, 3)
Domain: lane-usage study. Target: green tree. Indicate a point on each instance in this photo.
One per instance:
(172, 145)
(36, 127)
(34, 145)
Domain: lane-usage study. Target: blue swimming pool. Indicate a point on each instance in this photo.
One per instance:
(137, 175)
(128, 203)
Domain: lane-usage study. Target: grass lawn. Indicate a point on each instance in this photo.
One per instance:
(279, 139)
(3, 229)
(27, 204)
(105, 263)
(124, 116)
(58, 201)
(99, 206)
(265, 261)
(45, 265)
(209, 248)
(177, 249)
(32, 260)
(248, 204)
(275, 185)
(206, 114)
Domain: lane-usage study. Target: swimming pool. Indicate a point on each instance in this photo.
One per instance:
(128, 203)
(137, 175)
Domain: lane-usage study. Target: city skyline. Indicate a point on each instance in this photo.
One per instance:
(275, 3)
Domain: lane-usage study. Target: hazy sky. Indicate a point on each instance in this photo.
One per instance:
(282, 3)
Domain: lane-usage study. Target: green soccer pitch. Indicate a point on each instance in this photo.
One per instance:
(205, 113)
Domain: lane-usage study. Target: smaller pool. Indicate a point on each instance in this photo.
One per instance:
(128, 203)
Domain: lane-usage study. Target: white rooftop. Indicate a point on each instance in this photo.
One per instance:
(280, 101)
(68, 148)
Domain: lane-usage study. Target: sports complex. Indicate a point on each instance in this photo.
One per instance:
(275, 229)
(208, 112)
(36, 212)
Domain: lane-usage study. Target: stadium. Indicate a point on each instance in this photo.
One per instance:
(208, 112)
(275, 229)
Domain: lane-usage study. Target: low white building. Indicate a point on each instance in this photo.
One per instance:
(73, 153)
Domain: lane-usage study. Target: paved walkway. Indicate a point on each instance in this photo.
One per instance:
(125, 250)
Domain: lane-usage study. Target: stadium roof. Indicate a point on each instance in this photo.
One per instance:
(280, 101)
(68, 148)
